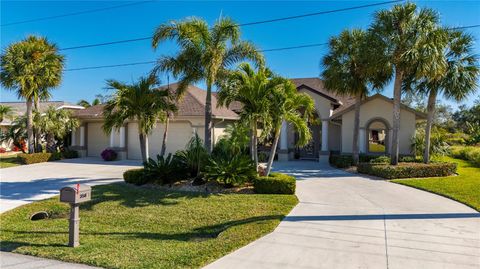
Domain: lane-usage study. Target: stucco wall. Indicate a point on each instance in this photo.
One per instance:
(322, 105)
(334, 137)
(179, 133)
(378, 108)
(97, 140)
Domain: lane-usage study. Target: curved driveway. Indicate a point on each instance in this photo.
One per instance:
(27, 183)
(349, 221)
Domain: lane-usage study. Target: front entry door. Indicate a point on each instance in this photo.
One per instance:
(311, 150)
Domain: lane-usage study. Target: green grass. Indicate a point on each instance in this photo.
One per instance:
(9, 161)
(133, 227)
(464, 188)
(373, 147)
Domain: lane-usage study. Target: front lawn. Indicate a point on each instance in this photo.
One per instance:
(9, 161)
(135, 227)
(464, 188)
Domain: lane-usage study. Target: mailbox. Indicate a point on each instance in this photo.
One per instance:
(75, 194)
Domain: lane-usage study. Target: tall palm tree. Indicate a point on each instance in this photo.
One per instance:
(141, 102)
(252, 89)
(56, 123)
(31, 67)
(406, 42)
(6, 112)
(346, 73)
(457, 81)
(205, 54)
(286, 104)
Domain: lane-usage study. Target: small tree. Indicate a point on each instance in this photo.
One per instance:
(141, 102)
(56, 124)
(286, 104)
(6, 112)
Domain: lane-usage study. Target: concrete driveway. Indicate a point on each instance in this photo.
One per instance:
(24, 184)
(349, 221)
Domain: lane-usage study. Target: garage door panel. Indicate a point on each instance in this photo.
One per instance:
(97, 140)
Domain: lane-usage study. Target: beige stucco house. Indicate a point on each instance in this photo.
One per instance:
(332, 130)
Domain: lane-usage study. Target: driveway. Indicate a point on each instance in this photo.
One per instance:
(27, 183)
(349, 221)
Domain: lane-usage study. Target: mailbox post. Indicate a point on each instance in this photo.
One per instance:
(75, 195)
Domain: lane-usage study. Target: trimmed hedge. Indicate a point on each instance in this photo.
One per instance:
(275, 183)
(39, 157)
(344, 161)
(135, 176)
(407, 170)
(70, 154)
(341, 161)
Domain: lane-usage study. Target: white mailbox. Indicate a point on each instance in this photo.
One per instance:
(75, 194)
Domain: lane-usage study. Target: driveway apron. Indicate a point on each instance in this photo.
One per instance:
(346, 220)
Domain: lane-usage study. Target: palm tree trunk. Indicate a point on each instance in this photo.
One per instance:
(356, 129)
(254, 143)
(37, 130)
(430, 113)
(51, 147)
(397, 98)
(145, 139)
(273, 150)
(208, 119)
(165, 133)
(142, 146)
(30, 126)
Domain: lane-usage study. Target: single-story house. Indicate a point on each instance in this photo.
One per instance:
(332, 131)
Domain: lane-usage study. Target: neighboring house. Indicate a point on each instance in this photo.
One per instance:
(332, 130)
(20, 108)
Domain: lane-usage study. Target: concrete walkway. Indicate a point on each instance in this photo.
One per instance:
(349, 221)
(17, 261)
(24, 184)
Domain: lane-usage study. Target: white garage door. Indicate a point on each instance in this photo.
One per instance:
(97, 140)
(179, 133)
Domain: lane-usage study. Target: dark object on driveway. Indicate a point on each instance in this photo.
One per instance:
(39, 215)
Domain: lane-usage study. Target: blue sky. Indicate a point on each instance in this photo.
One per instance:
(141, 20)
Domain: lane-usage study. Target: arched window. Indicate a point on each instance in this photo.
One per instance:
(377, 136)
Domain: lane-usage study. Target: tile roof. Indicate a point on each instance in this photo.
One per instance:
(191, 104)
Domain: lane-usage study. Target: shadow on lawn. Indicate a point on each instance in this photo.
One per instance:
(133, 196)
(197, 234)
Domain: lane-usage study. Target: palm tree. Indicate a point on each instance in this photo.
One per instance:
(6, 112)
(346, 73)
(252, 90)
(87, 104)
(31, 67)
(286, 104)
(141, 102)
(205, 54)
(457, 81)
(405, 42)
(56, 123)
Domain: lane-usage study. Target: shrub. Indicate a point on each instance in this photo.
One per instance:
(341, 161)
(263, 157)
(194, 157)
(109, 155)
(135, 176)
(409, 159)
(164, 170)
(70, 154)
(381, 159)
(275, 183)
(408, 170)
(232, 171)
(40, 157)
(470, 154)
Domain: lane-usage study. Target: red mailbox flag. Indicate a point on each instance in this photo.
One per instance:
(78, 187)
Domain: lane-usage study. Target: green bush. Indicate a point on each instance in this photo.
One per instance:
(275, 183)
(407, 170)
(470, 154)
(409, 159)
(341, 161)
(381, 159)
(135, 176)
(40, 157)
(70, 154)
(165, 170)
(233, 171)
(194, 157)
